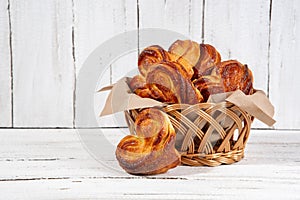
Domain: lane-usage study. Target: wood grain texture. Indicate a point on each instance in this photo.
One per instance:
(5, 67)
(127, 21)
(42, 64)
(93, 24)
(284, 59)
(96, 22)
(52, 164)
(163, 15)
(195, 21)
(47, 37)
(126, 65)
(240, 30)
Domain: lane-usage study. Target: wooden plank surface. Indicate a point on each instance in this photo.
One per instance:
(42, 63)
(284, 57)
(5, 67)
(127, 21)
(53, 164)
(47, 37)
(240, 30)
(196, 20)
(126, 65)
(95, 23)
(164, 15)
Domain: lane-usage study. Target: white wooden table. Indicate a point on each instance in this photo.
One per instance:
(53, 164)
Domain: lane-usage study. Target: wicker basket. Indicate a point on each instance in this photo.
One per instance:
(208, 134)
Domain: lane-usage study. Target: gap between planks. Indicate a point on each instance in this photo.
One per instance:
(11, 64)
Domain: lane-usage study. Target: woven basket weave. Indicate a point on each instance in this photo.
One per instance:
(207, 134)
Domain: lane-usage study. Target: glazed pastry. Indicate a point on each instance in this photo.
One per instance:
(151, 55)
(209, 84)
(139, 87)
(169, 82)
(137, 82)
(227, 76)
(152, 149)
(209, 57)
(187, 53)
(236, 76)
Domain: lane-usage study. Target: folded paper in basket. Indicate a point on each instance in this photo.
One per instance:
(121, 99)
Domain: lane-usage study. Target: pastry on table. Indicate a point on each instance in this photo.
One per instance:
(152, 149)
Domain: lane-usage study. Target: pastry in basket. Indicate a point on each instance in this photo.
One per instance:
(139, 87)
(236, 76)
(208, 134)
(151, 55)
(227, 76)
(209, 83)
(171, 80)
(152, 149)
(187, 53)
(209, 57)
(167, 82)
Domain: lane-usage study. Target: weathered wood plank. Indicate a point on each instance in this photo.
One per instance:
(127, 64)
(52, 164)
(42, 63)
(284, 59)
(127, 21)
(195, 21)
(93, 188)
(96, 22)
(156, 14)
(5, 66)
(163, 15)
(240, 30)
(57, 153)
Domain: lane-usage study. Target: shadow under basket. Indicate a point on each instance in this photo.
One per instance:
(207, 134)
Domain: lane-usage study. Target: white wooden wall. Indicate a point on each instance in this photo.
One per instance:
(44, 43)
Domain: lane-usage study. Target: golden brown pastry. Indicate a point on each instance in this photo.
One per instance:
(227, 76)
(166, 76)
(137, 82)
(169, 82)
(151, 55)
(209, 57)
(187, 53)
(236, 76)
(210, 83)
(152, 149)
(139, 87)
